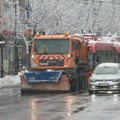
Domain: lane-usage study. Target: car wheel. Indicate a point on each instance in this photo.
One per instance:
(90, 92)
(119, 91)
(96, 92)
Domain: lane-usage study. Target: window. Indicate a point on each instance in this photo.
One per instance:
(106, 70)
(51, 46)
(72, 46)
(77, 46)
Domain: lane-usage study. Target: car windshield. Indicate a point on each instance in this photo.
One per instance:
(106, 70)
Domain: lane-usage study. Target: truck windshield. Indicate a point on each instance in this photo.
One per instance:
(51, 46)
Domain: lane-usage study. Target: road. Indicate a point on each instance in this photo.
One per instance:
(68, 106)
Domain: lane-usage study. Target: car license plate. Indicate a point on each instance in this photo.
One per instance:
(103, 84)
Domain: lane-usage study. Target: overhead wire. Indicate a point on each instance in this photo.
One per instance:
(101, 1)
(114, 3)
(112, 18)
(88, 15)
(96, 14)
(117, 25)
(105, 2)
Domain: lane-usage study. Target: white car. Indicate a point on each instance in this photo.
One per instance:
(105, 77)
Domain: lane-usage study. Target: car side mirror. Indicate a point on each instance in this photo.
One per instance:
(89, 74)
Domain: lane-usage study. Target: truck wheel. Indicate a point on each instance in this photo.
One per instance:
(73, 86)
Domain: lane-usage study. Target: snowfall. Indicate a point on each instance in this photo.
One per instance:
(9, 80)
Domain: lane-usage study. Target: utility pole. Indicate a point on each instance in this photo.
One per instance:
(2, 62)
(16, 57)
(27, 54)
(2, 44)
(29, 10)
(1, 6)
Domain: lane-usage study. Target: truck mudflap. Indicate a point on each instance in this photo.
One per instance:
(44, 81)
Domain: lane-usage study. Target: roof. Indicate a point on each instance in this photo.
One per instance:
(52, 37)
(108, 64)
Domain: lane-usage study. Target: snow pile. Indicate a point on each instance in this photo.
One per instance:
(10, 80)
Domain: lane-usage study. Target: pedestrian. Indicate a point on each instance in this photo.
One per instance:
(24, 62)
(16, 65)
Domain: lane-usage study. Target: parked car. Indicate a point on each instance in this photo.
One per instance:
(105, 77)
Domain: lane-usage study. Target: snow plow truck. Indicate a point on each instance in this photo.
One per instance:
(54, 63)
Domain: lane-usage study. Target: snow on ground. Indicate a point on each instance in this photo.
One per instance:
(9, 80)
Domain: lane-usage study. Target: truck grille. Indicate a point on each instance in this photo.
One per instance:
(57, 62)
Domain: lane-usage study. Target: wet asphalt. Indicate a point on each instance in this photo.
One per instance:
(58, 106)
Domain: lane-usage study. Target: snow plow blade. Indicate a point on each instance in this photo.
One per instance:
(44, 81)
(33, 77)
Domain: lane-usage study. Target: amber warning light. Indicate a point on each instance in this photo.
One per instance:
(66, 33)
(37, 34)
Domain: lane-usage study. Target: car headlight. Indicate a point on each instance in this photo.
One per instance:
(116, 80)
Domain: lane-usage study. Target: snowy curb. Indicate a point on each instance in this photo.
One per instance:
(10, 80)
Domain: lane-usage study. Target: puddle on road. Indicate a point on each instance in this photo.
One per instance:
(58, 118)
(114, 96)
(76, 111)
(41, 101)
(79, 109)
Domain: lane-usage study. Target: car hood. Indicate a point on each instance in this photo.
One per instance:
(111, 76)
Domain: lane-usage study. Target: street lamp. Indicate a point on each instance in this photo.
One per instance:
(2, 44)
